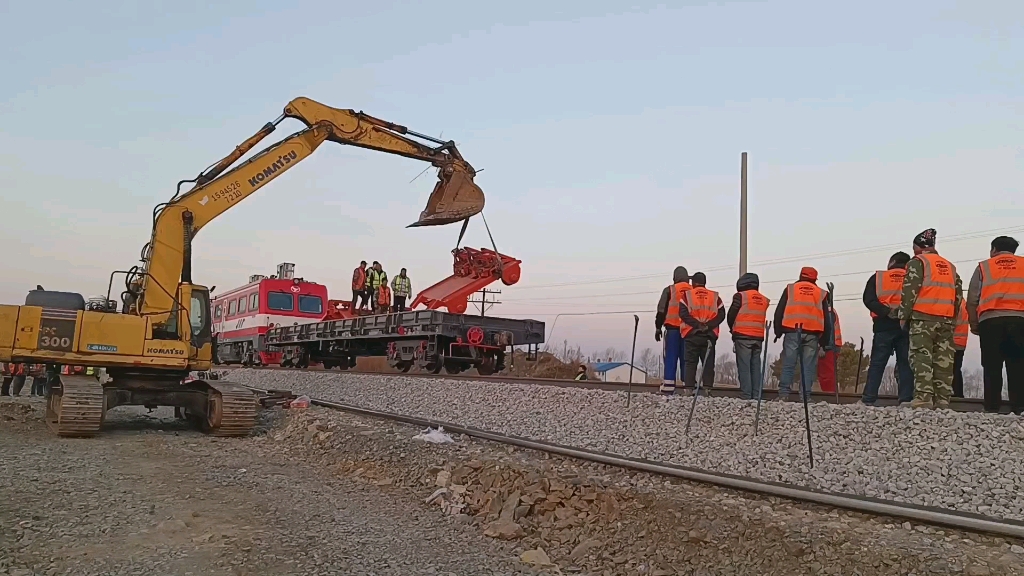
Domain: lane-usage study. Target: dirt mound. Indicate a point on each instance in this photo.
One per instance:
(546, 366)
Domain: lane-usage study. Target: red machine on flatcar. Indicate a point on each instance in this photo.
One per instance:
(241, 317)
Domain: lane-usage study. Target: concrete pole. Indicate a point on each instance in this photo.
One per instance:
(743, 214)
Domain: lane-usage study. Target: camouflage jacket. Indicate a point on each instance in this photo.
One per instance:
(912, 287)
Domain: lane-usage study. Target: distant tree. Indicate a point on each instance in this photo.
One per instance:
(889, 384)
(974, 384)
(648, 361)
(567, 353)
(612, 354)
(725, 370)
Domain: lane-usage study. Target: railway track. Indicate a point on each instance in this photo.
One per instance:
(957, 404)
(862, 504)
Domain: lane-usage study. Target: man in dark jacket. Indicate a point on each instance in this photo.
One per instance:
(745, 344)
(889, 337)
(701, 334)
(667, 317)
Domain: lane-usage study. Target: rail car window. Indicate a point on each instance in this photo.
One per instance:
(282, 301)
(232, 308)
(254, 301)
(241, 304)
(311, 304)
(218, 311)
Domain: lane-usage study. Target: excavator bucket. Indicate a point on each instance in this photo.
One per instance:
(455, 197)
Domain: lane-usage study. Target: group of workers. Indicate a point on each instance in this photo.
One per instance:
(370, 290)
(919, 314)
(15, 375)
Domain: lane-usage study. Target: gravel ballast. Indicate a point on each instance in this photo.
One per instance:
(970, 462)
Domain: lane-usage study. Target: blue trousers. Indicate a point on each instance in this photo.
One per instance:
(883, 346)
(673, 354)
(806, 352)
(748, 367)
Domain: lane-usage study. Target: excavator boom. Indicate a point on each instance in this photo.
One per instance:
(168, 260)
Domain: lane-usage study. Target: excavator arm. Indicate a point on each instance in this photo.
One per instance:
(167, 258)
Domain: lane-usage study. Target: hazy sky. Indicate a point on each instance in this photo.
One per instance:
(609, 135)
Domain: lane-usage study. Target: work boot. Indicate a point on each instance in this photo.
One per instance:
(942, 404)
(863, 403)
(782, 398)
(921, 403)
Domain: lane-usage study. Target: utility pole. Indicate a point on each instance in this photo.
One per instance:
(483, 303)
(743, 214)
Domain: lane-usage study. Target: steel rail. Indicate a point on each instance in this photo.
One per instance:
(862, 504)
(956, 404)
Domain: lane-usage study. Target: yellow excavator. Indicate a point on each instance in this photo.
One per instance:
(162, 331)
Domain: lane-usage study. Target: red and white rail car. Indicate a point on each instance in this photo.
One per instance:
(241, 317)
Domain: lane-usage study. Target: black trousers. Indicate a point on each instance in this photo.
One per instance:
(1002, 343)
(363, 296)
(17, 384)
(399, 303)
(694, 350)
(958, 374)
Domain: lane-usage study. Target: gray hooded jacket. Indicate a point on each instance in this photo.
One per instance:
(678, 275)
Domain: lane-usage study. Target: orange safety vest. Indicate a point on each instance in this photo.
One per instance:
(938, 290)
(962, 328)
(803, 307)
(752, 314)
(17, 369)
(672, 319)
(359, 279)
(703, 306)
(384, 296)
(889, 286)
(1002, 283)
(839, 331)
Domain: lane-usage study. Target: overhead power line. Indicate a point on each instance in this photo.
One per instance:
(718, 287)
(785, 260)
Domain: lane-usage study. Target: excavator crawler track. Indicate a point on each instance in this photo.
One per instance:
(231, 409)
(76, 408)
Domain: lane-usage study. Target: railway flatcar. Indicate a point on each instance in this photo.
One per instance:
(429, 340)
(242, 316)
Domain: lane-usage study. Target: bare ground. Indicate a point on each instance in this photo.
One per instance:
(319, 492)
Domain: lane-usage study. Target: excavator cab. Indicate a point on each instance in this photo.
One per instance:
(455, 197)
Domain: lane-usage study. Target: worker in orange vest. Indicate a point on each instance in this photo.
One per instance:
(960, 335)
(702, 313)
(18, 382)
(359, 287)
(802, 304)
(383, 299)
(882, 295)
(995, 310)
(746, 318)
(667, 317)
(931, 298)
(827, 358)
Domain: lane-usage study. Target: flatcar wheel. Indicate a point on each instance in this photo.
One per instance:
(433, 367)
(486, 367)
(404, 366)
